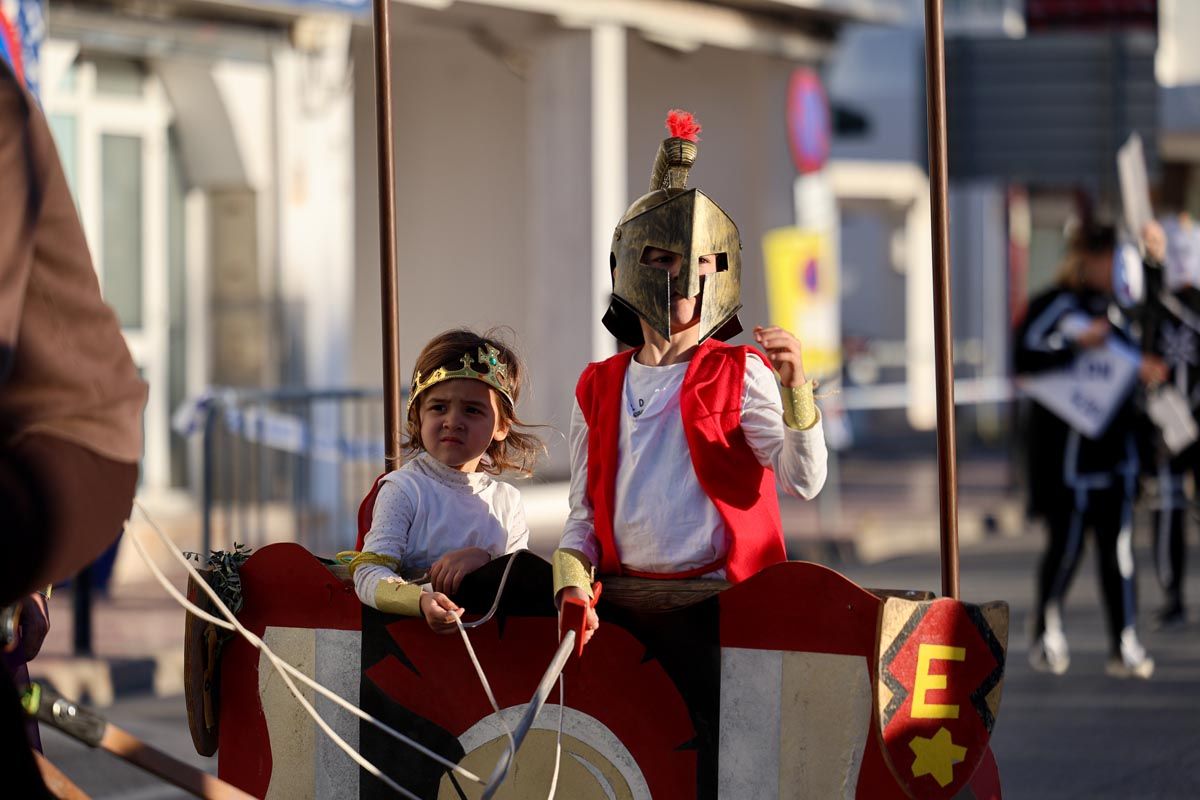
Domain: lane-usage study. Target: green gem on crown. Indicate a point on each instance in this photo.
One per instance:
(496, 374)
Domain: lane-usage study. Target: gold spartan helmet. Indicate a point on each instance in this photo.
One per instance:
(685, 221)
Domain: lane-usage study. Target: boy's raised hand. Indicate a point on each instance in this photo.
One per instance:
(784, 352)
(447, 572)
(439, 611)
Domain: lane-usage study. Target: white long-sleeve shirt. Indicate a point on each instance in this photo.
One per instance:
(425, 509)
(663, 521)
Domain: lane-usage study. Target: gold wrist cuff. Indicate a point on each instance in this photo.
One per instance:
(394, 597)
(361, 559)
(571, 568)
(799, 407)
(46, 592)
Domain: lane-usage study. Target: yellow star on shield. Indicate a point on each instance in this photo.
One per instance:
(936, 756)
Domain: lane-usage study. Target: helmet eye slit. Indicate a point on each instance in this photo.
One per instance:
(658, 258)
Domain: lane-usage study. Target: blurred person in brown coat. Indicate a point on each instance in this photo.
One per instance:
(70, 396)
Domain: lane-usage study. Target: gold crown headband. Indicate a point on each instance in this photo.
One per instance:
(494, 374)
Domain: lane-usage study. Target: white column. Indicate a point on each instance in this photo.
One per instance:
(562, 311)
(316, 242)
(315, 168)
(609, 193)
(156, 460)
(198, 316)
(918, 319)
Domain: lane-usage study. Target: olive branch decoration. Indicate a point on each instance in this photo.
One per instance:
(224, 577)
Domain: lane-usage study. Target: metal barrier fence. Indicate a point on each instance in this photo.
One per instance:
(285, 464)
(293, 464)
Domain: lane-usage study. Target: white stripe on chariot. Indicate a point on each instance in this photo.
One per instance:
(290, 730)
(339, 667)
(793, 725)
(750, 712)
(305, 764)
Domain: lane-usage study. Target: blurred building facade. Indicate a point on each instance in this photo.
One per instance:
(209, 146)
(1177, 68)
(1041, 94)
(223, 155)
(224, 162)
(524, 130)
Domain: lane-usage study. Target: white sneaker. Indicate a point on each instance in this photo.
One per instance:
(1122, 667)
(1133, 662)
(1050, 654)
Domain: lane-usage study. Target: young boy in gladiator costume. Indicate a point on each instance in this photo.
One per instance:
(678, 444)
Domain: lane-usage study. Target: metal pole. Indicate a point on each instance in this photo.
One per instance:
(81, 602)
(207, 487)
(935, 94)
(388, 283)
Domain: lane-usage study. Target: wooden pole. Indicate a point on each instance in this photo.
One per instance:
(935, 95)
(388, 283)
(93, 730)
(58, 784)
(192, 780)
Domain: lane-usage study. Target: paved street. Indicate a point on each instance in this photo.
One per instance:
(1080, 736)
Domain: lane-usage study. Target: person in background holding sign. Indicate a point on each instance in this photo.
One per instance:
(1171, 329)
(1075, 482)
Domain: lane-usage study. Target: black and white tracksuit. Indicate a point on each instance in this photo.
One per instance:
(1077, 483)
(1172, 331)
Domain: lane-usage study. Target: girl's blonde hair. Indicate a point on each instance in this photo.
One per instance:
(517, 452)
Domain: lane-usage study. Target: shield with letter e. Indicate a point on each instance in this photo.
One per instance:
(941, 668)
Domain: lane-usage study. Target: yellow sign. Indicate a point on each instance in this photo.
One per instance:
(803, 297)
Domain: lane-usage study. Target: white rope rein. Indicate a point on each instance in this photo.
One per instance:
(287, 671)
(558, 739)
(487, 687)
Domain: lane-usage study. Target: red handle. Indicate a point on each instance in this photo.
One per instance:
(574, 617)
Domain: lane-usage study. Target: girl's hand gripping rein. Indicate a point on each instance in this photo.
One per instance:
(439, 611)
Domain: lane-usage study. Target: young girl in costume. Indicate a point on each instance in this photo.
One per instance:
(679, 444)
(442, 514)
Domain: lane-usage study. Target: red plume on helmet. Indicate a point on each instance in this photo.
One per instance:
(683, 125)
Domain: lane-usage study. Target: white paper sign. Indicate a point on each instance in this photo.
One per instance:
(1169, 409)
(1135, 185)
(1088, 393)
